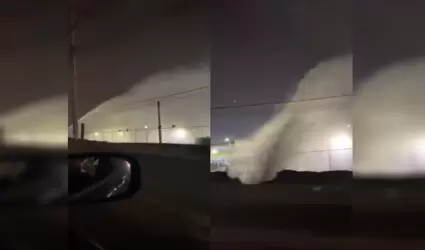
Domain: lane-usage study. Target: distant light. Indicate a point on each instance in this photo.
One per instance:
(96, 134)
(214, 151)
(349, 125)
(146, 126)
(227, 139)
(341, 141)
(234, 101)
(120, 133)
(180, 133)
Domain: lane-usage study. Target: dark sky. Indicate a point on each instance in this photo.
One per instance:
(33, 52)
(271, 44)
(386, 31)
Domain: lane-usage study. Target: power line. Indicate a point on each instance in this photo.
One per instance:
(155, 99)
(275, 103)
(151, 100)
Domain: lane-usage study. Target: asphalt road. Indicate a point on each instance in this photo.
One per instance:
(176, 202)
(311, 211)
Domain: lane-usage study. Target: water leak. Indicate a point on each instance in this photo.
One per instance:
(389, 122)
(379, 131)
(311, 133)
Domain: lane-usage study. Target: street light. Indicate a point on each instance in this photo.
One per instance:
(181, 135)
(341, 141)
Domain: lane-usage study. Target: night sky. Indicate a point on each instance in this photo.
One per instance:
(258, 49)
(33, 52)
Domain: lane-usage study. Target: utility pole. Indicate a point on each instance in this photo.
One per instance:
(158, 105)
(83, 131)
(73, 84)
(2, 135)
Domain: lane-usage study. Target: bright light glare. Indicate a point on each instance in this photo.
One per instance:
(180, 133)
(146, 126)
(214, 151)
(227, 139)
(96, 134)
(120, 133)
(341, 141)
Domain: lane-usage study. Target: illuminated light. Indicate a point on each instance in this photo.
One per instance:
(96, 134)
(120, 133)
(227, 139)
(341, 141)
(214, 151)
(146, 126)
(349, 125)
(180, 133)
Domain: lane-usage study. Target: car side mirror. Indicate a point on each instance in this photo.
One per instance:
(100, 177)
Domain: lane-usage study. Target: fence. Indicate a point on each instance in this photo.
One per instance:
(150, 135)
(323, 160)
(183, 116)
(316, 161)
